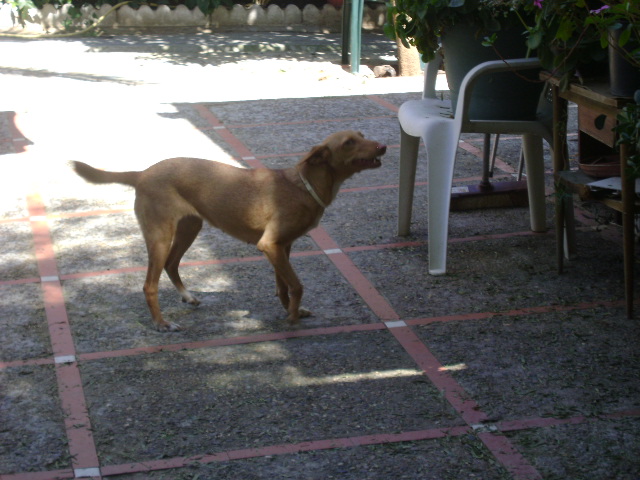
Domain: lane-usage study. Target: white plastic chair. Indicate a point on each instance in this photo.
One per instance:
(432, 120)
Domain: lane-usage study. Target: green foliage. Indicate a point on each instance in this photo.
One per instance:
(624, 18)
(628, 130)
(571, 33)
(420, 23)
(565, 34)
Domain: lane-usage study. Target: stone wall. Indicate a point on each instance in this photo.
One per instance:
(272, 18)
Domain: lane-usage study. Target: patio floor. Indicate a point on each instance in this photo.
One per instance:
(501, 369)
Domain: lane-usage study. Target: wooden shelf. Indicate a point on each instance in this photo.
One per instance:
(595, 104)
(578, 182)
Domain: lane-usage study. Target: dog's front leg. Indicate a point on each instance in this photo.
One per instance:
(282, 289)
(290, 289)
(282, 292)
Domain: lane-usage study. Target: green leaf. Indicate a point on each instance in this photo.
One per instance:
(565, 29)
(489, 41)
(534, 40)
(624, 37)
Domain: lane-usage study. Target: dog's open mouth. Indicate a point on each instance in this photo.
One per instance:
(368, 162)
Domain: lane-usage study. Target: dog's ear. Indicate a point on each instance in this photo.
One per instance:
(318, 155)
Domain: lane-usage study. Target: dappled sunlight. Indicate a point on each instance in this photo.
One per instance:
(242, 322)
(297, 378)
(453, 368)
(288, 376)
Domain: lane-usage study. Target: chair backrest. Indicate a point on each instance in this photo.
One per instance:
(543, 121)
(490, 126)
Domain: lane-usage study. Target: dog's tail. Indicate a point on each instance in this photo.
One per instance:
(94, 175)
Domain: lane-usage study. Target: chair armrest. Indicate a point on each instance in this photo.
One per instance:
(494, 66)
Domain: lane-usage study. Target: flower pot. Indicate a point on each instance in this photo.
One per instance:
(624, 77)
(502, 96)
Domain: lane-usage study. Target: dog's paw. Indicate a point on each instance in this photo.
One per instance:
(302, 313)
(191, 300)
(168, 327)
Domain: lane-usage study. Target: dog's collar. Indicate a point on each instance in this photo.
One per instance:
(311, 190)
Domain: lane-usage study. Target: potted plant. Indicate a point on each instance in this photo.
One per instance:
(471, 32)
(618, 25)
(563, 38)
(570, 36)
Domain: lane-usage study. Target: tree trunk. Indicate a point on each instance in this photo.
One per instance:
(408, 61)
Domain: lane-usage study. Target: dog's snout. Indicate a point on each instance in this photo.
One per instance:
(382, 149)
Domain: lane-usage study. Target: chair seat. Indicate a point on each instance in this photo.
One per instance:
(414, 115)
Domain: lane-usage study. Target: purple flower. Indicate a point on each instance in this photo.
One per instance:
(538, 3)
(599, 10)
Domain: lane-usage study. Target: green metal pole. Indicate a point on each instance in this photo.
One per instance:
(357, 10)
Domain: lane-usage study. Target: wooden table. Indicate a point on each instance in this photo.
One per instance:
(597, 111)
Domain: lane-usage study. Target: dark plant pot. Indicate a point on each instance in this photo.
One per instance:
(624, 77)
(501, 96)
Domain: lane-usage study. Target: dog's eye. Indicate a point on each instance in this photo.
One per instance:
(349, 142)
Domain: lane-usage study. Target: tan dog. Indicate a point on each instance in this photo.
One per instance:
(268, 208)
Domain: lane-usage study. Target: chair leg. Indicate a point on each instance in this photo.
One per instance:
(442, 144)
(408, 161)
(534, 160)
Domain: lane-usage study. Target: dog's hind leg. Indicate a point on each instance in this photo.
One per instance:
(186, 232)
(159, 239)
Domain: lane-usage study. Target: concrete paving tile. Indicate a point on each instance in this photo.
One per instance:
(300, 138)
(32, 436)
(67, 193)
(560, 364)
(108, 242)
(370, 216)
(286, 110)
(109, 312)
(363, 218)
(23, 323)
(448, 459)
(18, 259)
(98, 243)
(522, 274)
(470, 223)
(258, 395)
(14, 204)
(602, 448)
(397, 99)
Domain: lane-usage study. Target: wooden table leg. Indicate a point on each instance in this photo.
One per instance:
(628, 193)
(560, 162)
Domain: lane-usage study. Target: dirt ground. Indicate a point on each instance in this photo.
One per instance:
(501, 369)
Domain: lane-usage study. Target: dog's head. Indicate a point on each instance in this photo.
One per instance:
(347, 152)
